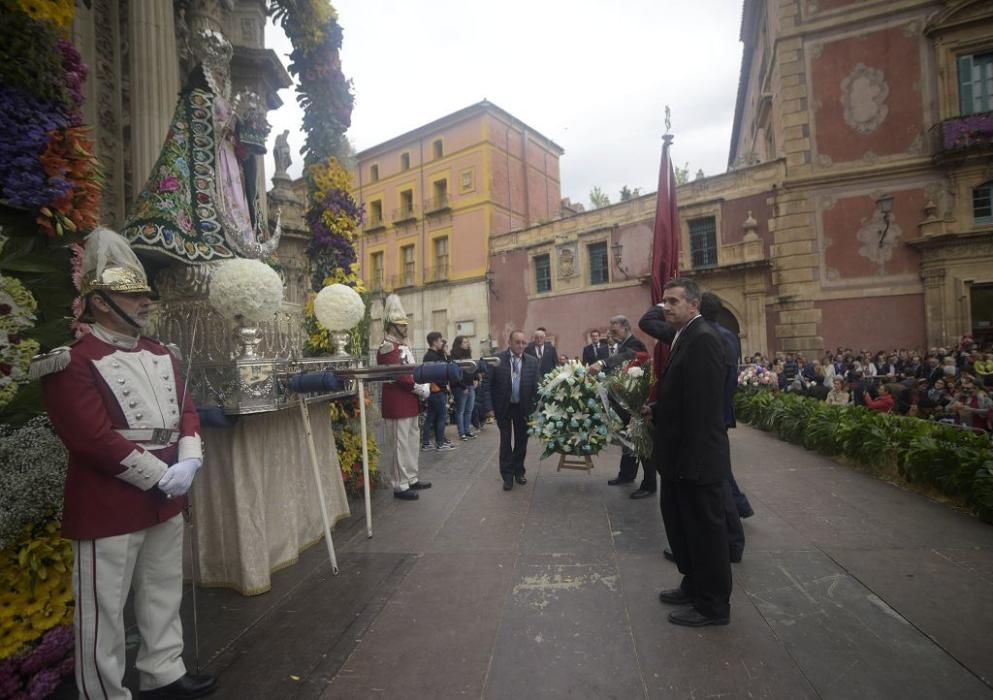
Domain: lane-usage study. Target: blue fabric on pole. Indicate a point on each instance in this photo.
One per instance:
(315, 382)
(215, 417)
(438, 373)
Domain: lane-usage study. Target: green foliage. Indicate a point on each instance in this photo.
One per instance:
(599, 198)
(957, 462)
(628, 193)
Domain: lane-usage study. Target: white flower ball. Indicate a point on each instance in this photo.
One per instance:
(245, 290)
(636, 372)
(338, 307)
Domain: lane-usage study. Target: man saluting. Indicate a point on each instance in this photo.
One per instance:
(117, 401)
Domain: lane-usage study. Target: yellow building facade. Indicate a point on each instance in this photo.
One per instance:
(433, 198)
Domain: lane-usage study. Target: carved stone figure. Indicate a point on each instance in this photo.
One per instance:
(281, 153)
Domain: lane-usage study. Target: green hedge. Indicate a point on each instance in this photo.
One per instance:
(957, 462)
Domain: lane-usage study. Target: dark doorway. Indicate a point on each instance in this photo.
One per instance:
(981, 304)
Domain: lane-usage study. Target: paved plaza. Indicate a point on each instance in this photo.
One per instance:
(850, 587)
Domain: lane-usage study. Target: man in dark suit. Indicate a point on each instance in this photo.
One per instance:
(594, 351)
(544, 352)
(513, 390)
(627, 346)
(694, 461)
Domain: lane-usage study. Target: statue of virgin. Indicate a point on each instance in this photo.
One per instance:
(201, 201)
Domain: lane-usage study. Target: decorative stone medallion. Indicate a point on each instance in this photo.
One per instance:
(876, 240)
(863, 96)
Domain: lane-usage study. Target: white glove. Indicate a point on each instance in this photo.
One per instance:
(422, 391)
(179, 477)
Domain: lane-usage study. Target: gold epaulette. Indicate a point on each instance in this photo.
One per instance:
(49, 362)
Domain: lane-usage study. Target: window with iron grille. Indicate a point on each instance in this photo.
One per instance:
(703, 242)
(542, 273)
(976, 83)
(599, 266)
(982, 203)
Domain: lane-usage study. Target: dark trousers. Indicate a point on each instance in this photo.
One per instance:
(736, 533)
(741, 503)
(628, 471)
(696, 527)
(513, 441)
(434, 421)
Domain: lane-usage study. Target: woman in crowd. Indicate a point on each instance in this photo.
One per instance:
(465, 391)
(972, 405)
(884, 403)
(839, 396)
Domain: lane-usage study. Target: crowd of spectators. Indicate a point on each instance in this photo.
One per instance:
(951, 385)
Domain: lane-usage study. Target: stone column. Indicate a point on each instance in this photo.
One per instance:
(154, 81)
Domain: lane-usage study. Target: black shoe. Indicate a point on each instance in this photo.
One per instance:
(419, 485)
(746, 513)
(691, 618)
(521, 479)
(675, 596)
(668, 555)
(188, 686)
(618, 481)
(642, 493)
(407, 495)
(508, 484)
(736, 556)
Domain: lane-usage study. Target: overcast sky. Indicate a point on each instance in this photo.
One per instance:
(593, 76)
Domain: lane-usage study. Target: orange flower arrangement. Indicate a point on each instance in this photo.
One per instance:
(70, 155)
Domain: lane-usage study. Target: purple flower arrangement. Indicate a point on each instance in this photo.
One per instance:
(25, 122)
(330, 249)
(36, 673)
(75, 75)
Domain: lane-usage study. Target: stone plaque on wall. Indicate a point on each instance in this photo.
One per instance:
(567, 260)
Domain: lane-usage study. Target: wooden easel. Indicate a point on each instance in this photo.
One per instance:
(584, 463)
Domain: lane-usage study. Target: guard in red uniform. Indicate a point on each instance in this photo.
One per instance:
(118, 402)
(401, 406)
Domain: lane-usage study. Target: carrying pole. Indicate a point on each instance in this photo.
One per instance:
(305, 414)
(365, 457)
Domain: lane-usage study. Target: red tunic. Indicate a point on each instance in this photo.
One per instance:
(399, 401)
(110, 485)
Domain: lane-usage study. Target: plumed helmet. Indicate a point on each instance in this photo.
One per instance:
(393, 312)
(110, 264)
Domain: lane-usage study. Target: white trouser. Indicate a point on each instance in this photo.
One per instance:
(400, 450)
(104, 570)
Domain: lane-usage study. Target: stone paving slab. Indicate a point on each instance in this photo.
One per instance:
(434, 638)
(565, 633)
(744, 659)
(946, 601)
(849, 642)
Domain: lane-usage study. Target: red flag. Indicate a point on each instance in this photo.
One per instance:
(665, 244)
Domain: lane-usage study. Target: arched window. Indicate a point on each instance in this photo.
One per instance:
(982, 203)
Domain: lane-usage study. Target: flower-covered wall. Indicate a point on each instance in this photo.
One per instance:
(50, 187)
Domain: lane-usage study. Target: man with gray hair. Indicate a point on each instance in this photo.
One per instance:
(627, 346)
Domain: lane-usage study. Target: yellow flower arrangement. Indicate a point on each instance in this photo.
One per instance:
(35, 586)
(328, 176)
(58, 12)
